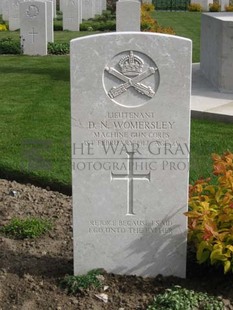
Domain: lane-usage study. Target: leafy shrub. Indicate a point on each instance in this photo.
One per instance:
(214, 7)
(58, 48)
(211, 215)
(178, 298)
(195, 7)
(57, 26)
(98, 26)
(104, 22)
(75, 284)
(149, 24)
(229, 8)
(59, 15)
(3, 27)
(107, 15)
(26, 228)
(148, 7)
(8, 46)
(111, 5)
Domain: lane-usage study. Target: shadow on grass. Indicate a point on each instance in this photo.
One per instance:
(40, 181)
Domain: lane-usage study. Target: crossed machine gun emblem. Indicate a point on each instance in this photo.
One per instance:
(131, 65)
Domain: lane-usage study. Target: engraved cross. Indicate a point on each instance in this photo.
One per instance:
(130, 176)
(33, 33)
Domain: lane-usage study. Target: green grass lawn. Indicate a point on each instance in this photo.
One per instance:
(185, 24)
(35, 123)
(35, 112)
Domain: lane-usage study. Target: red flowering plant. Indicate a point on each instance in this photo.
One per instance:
(210, 215)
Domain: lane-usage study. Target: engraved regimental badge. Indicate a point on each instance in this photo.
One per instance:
(32, 11)
(131, 79)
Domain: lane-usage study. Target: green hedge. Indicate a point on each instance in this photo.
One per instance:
(8, 46)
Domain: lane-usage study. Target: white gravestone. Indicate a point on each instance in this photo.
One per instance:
(205, 4)
(1, 3)
(14, 22)
(72, 14)
(124, 9)
(216, 55)
(223, 4)
(98, 7)
(54, 8)
(50, 16)
(5, 10)
(49, 10)
(88, 9)
(33, 30)
(130, 109)
(104, 5)
(61, 5)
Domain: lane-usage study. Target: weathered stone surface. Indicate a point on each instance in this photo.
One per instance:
(33, 27)
(216, 57)
(72, 14)
(130, 95)
(124, 9)
(88, 9)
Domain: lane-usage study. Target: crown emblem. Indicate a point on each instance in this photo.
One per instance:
(131, 65)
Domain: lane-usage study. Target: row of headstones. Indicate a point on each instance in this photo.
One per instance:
(36, 23)
(73, 12)
(9, 9)
(77, 10)
(205, 4)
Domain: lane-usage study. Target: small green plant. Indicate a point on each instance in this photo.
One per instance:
(210, 215)
(108, 25)
(178, 298)
(58, 48)
(195, 7)
(3, 27)
(26, 228)
(76, 284)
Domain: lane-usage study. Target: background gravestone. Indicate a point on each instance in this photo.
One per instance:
(5, 10)
(223, 4)
(216, 55)
(130, 109)
(50, 15)
(98, 7)
(205, 4)
(124, 9)
(104, 5)
(72, 14)
(14, 23)
(33, 29)
(88, 9)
